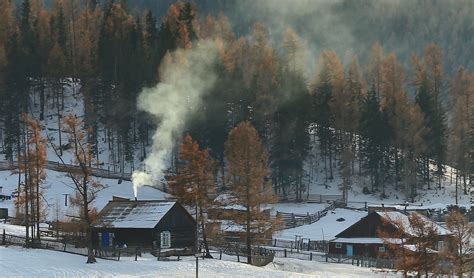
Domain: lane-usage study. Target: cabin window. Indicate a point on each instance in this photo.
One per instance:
(165, 239)
(440, 245)
(382, 249)
(338, 245)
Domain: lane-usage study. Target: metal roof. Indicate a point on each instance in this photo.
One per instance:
(132, 214)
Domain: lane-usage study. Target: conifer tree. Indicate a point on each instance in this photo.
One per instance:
(85, 187)
(248, 175)
(461, 253)
(194, 182)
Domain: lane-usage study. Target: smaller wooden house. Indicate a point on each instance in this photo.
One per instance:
(144, 223)
(361, 239)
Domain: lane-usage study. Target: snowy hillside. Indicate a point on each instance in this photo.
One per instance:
(57, 184)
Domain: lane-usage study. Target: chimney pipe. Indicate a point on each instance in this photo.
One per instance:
(136, 199)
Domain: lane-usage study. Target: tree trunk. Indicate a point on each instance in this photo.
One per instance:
(90, 252)
(204, 236)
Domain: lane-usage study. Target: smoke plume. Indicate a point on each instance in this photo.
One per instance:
(186, 76)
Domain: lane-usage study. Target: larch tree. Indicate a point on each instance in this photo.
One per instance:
(375, 68)
(461, 97)
(412, 243)
(195, 182)
(248, 175)
(33, 166)
(84, 185)
(462, 252)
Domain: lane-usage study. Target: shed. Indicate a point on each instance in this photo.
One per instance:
(144, 223)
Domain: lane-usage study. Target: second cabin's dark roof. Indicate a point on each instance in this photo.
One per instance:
(133, 214)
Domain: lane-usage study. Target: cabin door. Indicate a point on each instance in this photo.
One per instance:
(105, 239)
(349, 250)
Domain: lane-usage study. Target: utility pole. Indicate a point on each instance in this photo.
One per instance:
(197, 241)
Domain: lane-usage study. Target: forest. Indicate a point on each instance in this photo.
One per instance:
(399, 116)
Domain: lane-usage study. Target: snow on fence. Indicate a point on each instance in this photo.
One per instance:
(50, 244)
(302, 244)
(292, 220)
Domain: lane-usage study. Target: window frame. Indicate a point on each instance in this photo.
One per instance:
(382, 249)
(165, 237)
(338, 245)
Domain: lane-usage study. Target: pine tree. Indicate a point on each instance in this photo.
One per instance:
(194, 182)
(373, 127)
(248, 174)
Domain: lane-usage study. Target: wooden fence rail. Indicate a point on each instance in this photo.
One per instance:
(292, 220)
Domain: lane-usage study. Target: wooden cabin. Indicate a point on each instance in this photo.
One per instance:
(361, 239)
(144, 223)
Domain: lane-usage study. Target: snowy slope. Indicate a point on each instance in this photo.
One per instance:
(57, 184)
(40, 264)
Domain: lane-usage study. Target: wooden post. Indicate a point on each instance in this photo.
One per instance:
(3, 237)
(220, 255)
(311, 256)
(274, 242)
(285, 252)
(309, 243)
(136, 254)
(118, 258)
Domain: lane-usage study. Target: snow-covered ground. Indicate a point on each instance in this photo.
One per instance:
(57, 184)
(326, 228)
(18, 262)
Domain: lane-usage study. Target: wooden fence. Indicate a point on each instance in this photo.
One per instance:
(57, 166)
(302, 244)
(292, 220)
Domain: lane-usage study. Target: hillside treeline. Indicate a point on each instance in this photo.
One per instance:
(354, 119)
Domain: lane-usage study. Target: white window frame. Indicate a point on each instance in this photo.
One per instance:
(382, 249)
(338, 245)
(440, 245)
(165, 239)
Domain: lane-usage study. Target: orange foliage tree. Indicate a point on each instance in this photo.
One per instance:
(194, 182)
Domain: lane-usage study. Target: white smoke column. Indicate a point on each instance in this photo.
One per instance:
(186, 76)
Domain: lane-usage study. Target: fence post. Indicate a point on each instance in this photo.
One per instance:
(65, 246)
(291, 247)
(3, 237)
(118, 258)
(311, 256)
(309, 244)
(136, 254)
(284, 252)
(274, 244)
(220, 255)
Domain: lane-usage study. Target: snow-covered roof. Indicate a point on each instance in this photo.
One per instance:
(362, 240)
(133, 214)
(393, 216)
